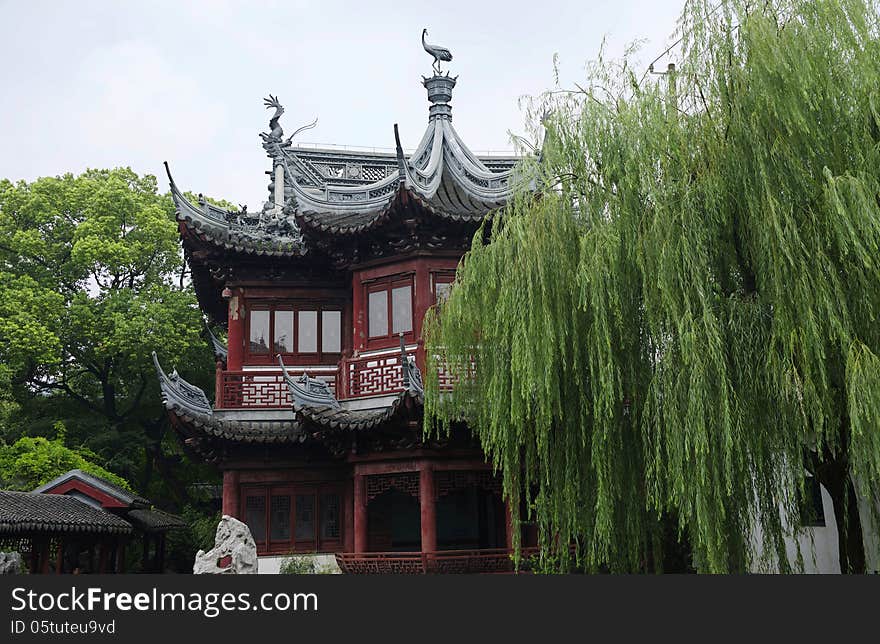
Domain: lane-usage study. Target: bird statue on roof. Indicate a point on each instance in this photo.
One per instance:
(439, 53)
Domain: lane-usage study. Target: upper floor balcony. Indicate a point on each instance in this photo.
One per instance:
(373, 374)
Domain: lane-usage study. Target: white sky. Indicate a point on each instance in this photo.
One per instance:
(104, 84)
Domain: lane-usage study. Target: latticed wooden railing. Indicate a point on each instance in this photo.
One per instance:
(378, 375)
(258, 389)
(440, 561)
(372, 375)
(358, 377)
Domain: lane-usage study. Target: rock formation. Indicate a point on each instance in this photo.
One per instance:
(234, 551)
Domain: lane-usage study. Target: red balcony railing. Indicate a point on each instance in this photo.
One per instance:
(372, 375)
(441, 561)
(258, 389)
(357, 377)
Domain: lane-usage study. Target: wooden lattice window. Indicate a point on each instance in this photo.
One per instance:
(302, 333)
(294, 518)
(390, 307)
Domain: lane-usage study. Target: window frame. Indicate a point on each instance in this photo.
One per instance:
(295, 357)
(440, 277)
(317, 491)
(388, 284)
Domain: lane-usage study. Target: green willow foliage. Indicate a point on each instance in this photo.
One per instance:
(689, 303)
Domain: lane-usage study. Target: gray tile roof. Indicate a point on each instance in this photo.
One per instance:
(24, 512)
(308, 418)
(154, 520)
(342, 192)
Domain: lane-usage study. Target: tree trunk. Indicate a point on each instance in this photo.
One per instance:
(850, 545)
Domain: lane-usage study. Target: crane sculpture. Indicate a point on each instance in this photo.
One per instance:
(439, 53)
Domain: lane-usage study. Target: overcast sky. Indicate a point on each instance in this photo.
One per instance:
(104, 84)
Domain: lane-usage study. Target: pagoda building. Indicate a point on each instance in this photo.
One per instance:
(316, 422)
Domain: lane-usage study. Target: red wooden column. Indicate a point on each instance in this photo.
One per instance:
(235, 336)
(348, 518)
(360, 513)
(358, 315)
(423, 297)
(230, 493)
(218, 385)
(428, 507)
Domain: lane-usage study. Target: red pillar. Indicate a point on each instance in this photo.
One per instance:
(359, 326)
(235, 335)
(427, 506)
(218, 385)
(230, 493)
(360, 514)
(348, 519)
(423, 297)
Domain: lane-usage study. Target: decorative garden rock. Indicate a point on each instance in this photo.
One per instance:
(234, 551)
(11, 563)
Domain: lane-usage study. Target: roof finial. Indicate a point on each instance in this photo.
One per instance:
(409, 371)
(439, 53)
(401, 160)
(276, 132)
(307, 126)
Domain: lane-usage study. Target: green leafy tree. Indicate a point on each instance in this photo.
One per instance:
(32, 461)
(90, 283)
(684, 318)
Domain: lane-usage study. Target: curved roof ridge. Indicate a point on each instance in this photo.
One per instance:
(468, 159)
(28, 512)
(177, 393)
(251, 233)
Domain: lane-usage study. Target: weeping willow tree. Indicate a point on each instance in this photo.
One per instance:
(680, 317)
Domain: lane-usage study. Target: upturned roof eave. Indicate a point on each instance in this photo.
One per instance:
(208, 224)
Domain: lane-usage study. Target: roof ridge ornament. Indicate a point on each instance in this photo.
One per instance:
(178, 392)
(409, 371)
(439, 53)
(221, 351)
(439, 85)
(307, 391)
(275, 131)
(401, 159)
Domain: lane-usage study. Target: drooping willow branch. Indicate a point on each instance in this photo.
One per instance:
(682, 344)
